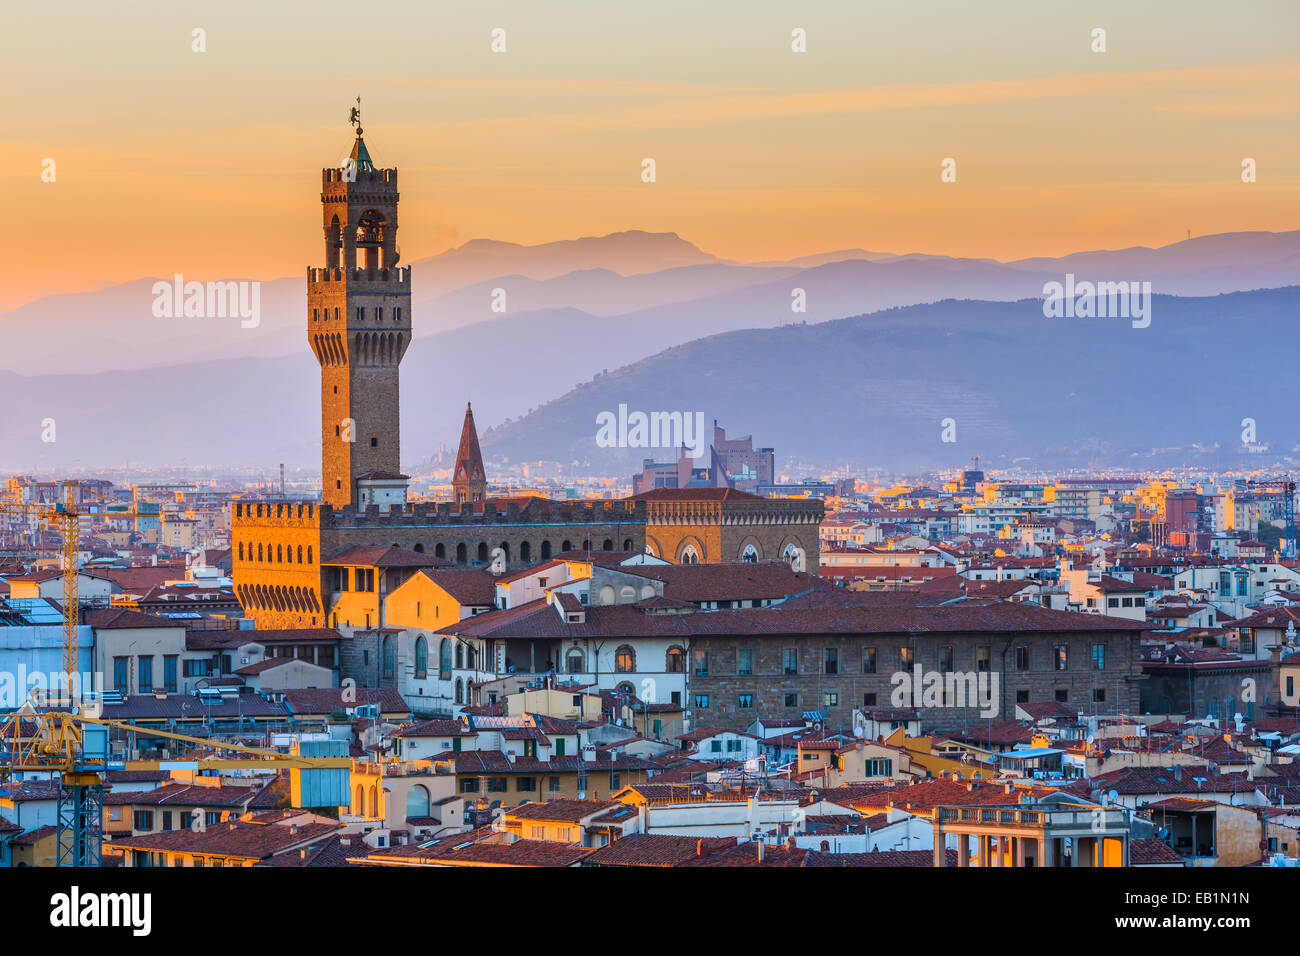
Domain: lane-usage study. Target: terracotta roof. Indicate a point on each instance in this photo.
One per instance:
(747, 854)
(438, 728)
(247, 840)
(191, 707)
(570, 811)
(324, 700)
(185, 795)
(31, 837)
(1041, 709)
(115, 618)
(536, 619)
(331, 851)
(654, 849)
(1139, 781)
(469, 586)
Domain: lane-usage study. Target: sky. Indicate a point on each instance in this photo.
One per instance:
(208, 163)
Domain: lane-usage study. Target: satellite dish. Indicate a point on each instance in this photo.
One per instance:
(1112, 796)
(582, 794)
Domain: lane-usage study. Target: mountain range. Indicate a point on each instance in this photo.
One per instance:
(615, 312)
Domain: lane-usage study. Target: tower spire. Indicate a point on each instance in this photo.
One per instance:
(360, 157)
(469, 480)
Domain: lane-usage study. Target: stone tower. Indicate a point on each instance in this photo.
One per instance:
(469, 480)
(359, 325)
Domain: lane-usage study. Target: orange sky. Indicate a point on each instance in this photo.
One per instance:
(208, 163)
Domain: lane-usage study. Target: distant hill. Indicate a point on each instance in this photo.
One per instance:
(871, 390)
(875, 389)
(655, 285)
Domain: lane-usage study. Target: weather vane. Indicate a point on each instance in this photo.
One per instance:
(355, 118)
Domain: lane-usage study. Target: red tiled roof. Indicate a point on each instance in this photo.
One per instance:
(566, 811)
(469, 586)
(654, 849)
(246, 840)
(114, 618)
(536, 619)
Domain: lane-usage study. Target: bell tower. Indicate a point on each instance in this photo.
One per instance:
(358, 324)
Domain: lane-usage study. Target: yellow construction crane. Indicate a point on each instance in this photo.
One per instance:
(67, 518)
(67, 745)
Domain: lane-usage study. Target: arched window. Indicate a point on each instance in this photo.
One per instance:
(793, 555)
(627, 691)
(627, 544)
(300, 554)
(689, 555)
(359, 808)
(750, 554)
(421, 658)
(389, 657)
(460, 553)
(309, 554)
(607, 595)
(444, 660)
(460, 656)
(259, 550)
(440, 550)
(279, 554)
(625, 660)
(525, 552)
(460, 691)
(417, 802)
(574, 659)
(241, 551)
(374, 802)
(586, 544)
(546, 550)
(482, 551)
(469, 657)
(627, 594)
(676, 660)
(419, 548)
(608, 545)
(567, 546)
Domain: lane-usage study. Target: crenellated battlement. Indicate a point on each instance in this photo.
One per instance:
(541, 512)
(384, 178)
(322, 279)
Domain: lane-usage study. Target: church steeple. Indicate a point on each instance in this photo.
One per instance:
(469, 480)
